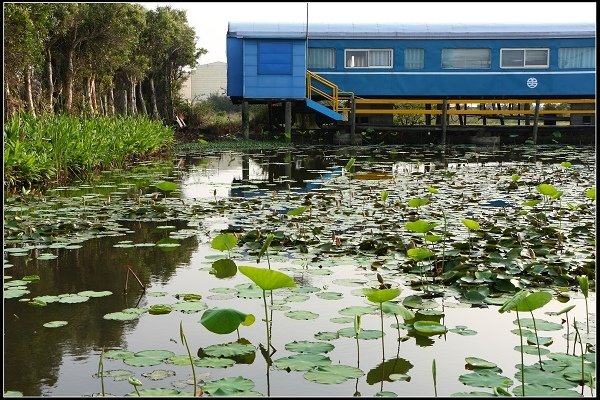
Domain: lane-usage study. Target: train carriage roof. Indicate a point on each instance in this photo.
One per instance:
(408, 31)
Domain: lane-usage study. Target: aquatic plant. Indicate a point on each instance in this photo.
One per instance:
(380, 296)
(525, 301)
(471, 225)
(419, 254)
(265, 249)
(225, 320)
(584, 285)
(434, 375)
(509, 305)
(267, 279)
(566, 312)
(59, 147)
(184, 341)
(101, 371)
(135, 382)
(348, 171)
(224, 267)
(418, 202)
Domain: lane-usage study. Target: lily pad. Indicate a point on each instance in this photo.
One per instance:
(540, 324)
(91, 293)
(463, 330)
(301, 315)
(418, 302)
(297, 298)
(476, 362)
(332, 374)
(148, 358)
(429, 327)
(118, 354)
(158, 309)
(36, 303)
(14, 293)
(305, 346)
(73, 298)
(118, 374)
(232, 349)
(544, 391)
(55, 324)
(342, 320)
(228, 386)
(485, 378)
(329, 295)
(158, 374)
(188, 307)
(326, 335)
(183, 359)
(528, 349)
(357, 310)
(155, 392)
(141, 361)
(366, 334)
(302, 361)
(214, 362)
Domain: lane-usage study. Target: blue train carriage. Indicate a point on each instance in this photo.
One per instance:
(269, 62)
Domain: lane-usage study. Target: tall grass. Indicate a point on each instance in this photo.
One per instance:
(51, 149)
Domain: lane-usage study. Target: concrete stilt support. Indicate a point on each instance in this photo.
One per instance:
(444, 120)
(352, 118)
(536, 117)
(288, 120)
(245, 120)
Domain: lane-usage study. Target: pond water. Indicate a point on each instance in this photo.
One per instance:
(337, 230)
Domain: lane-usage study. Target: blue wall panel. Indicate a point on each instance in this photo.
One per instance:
(235, 78)
(268, 75)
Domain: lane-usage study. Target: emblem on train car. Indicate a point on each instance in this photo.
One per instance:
(532, 82)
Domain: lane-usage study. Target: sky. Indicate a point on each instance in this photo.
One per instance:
(210, 19)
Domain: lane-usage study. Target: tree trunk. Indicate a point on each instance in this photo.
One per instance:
(123, 105)
(88, 95)
(167, 114)
(111, 101)
(50, 80)
(141, 100)
(153, 99)
(94, 95)
(69, 78)
(8, 109)
(29, 92)
(133, 98)
(102, 108)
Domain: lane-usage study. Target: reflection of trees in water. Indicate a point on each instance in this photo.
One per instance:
(33, 354)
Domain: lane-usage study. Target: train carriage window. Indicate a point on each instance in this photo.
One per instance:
(368, 58)
(414, 58)
(321, 58)
(466, 58)
(524, 58)
(577, 57)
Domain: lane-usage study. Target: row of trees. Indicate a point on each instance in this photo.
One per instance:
(95, 58)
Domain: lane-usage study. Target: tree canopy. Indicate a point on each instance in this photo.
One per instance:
(95, 58)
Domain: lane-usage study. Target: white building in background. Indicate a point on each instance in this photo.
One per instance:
(205, 80)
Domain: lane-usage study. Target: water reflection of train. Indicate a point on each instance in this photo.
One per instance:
(250, 175)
